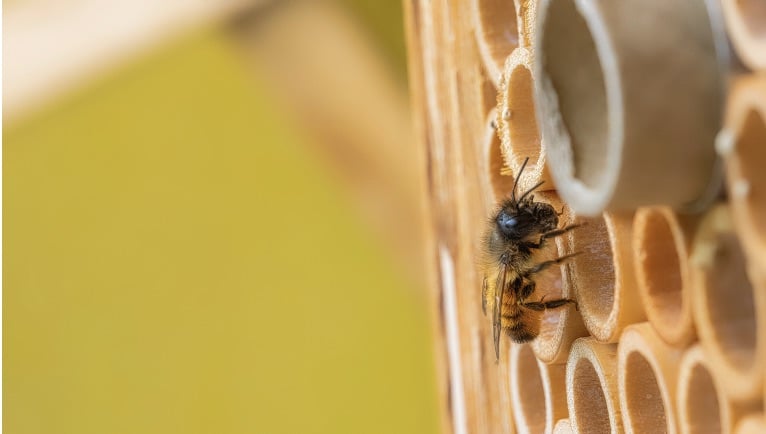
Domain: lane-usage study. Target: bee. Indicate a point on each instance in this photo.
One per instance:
(518, 229)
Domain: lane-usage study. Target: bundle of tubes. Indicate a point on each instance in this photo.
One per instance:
(647, 120)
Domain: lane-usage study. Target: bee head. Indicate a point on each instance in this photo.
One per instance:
(528, 218)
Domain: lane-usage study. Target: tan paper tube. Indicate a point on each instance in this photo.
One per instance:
(725, 307)
(703, 406)
(746, 23)
(517, 122)
(538, 392)
(592, 395)
(752, 424)
(647, 369)
(497, 34)
(560, 327)
(603, 275)
(628, 119)
(662, 240)
(743, 144)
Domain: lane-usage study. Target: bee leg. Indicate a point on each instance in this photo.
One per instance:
(552, 234)
(543, 265)
(552, 304)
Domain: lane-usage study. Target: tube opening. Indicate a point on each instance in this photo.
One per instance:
(753, 14)
(700, 407)
(752, 152)
(644, 400)
(498, 28)
(591, 411)
(593, 270)
(530, 389)
(571, 62)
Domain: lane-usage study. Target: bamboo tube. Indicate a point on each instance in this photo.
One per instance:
(517, 122)
(560, 327)
(725, 306)
(538, 391)
(746, 23)
(526, 10)
(646, 371)
(563, 427)
(497, 34)
(591, 380)
(628, 119)
(703, 406)
(662, 244)
(743, 143)
(603, 276)
(500, 184)
(752, 424)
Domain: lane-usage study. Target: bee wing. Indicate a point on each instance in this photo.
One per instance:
(500, 288)
(484, 289)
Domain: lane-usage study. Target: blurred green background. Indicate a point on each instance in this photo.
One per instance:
(178, 259)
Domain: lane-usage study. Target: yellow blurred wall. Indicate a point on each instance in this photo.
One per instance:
(175, 261)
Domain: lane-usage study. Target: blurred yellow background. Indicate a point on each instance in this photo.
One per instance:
(179, 259)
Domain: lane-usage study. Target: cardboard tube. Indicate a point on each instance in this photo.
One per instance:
(646, 370)
(725, 307)
(591, 380)
(497, 33)
(746, 23)
(560, 327)
(752, 424)
(628, 119)
(500, 182)
(743, 143)
(703, 406)
(517, 122)
(603, 275)
(563, 427)
(538, 391)
(662, 241)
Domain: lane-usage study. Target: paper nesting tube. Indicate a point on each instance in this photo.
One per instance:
(497, 33)
(746, 23)
(743, 144)
(591, 380)
(563, 427)
(517, 122)
(628, 119)
(646, 371)
(500, 185)
(560, 327)
(662, 242)
(603, 275)
(703, 406)
(538, 392)
(725, 306)
(752, 424)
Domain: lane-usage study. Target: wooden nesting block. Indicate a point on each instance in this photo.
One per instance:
(746, 23)
(743, 144)
(725, 307)
(560, 327)
(592, 395)
(703, 406)
(603, 275)
(517, 122)
(629, 119)
(647, 368)
(752, 424)
(538, 391)
(497, 34)
(500, 181)
(662, 242)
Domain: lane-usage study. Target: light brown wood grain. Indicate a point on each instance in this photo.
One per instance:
(592, 394)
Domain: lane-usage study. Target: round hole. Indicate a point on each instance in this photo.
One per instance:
(571, 63)
(702, 410)
(644, 399)
(530, 389)
(594, 270)
(497, 29)
(751, 149)
(591, 411)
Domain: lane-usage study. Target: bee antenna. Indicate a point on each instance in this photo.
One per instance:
(516, 181)
(531, 190)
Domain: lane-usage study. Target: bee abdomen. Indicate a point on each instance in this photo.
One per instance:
(519, 327)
